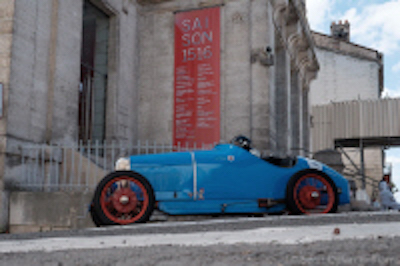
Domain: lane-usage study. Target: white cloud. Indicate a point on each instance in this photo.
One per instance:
(317, 11)
(393, 160)
(389, 93)
(372, 25)
(376, 25)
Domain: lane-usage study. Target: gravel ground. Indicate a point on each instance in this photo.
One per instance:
(382, 251)
(378, 251)
(186, 224)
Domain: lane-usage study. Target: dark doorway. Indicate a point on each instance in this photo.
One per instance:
(93, 85)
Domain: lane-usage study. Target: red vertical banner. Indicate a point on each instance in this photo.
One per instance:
(197, 77)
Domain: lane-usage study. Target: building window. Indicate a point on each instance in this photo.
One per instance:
(93, 84)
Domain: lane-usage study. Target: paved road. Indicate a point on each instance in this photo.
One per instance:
(371, 238)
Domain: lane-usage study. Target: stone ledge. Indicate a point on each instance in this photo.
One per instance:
(49, 211)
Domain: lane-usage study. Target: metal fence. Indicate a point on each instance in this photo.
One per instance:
(78, 166)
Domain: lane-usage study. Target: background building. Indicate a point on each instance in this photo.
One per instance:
(349, 72)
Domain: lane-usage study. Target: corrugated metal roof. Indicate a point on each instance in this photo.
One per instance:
(354, 120)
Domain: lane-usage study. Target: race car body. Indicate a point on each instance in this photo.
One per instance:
(225, 180)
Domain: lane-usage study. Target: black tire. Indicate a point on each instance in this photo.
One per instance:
(121, 198)
(94, 216)
(311, 192)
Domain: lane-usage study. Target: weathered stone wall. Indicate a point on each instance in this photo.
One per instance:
(46, 70)
(40, 53)
(262, 82)
(344, 77)
(34, 67)
(264, 94)
(255, 97)
(41, 211)
(254, 101)
(6, 30)
(348, 71)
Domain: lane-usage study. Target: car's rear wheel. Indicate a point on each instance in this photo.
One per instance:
(311, 192)
(123, 198)
(94, 216)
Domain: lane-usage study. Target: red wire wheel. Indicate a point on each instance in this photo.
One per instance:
(311, 192)
(123, 198)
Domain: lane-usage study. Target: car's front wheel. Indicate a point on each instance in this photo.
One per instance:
(310, 192)
(123, 197)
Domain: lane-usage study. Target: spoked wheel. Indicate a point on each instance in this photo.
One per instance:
(311, 192)
(123, 198)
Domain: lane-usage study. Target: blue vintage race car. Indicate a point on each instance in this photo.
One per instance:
(225, 180)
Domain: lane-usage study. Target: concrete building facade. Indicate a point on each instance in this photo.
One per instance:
(104, 70)
(348, 71)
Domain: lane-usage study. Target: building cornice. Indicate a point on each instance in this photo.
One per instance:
(327, 42)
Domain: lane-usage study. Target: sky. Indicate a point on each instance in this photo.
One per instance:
(374, 24)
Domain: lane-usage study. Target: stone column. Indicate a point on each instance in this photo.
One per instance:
(282, 99)
(262, 72)
(236, 69)
(295, 111)
(306, 120)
